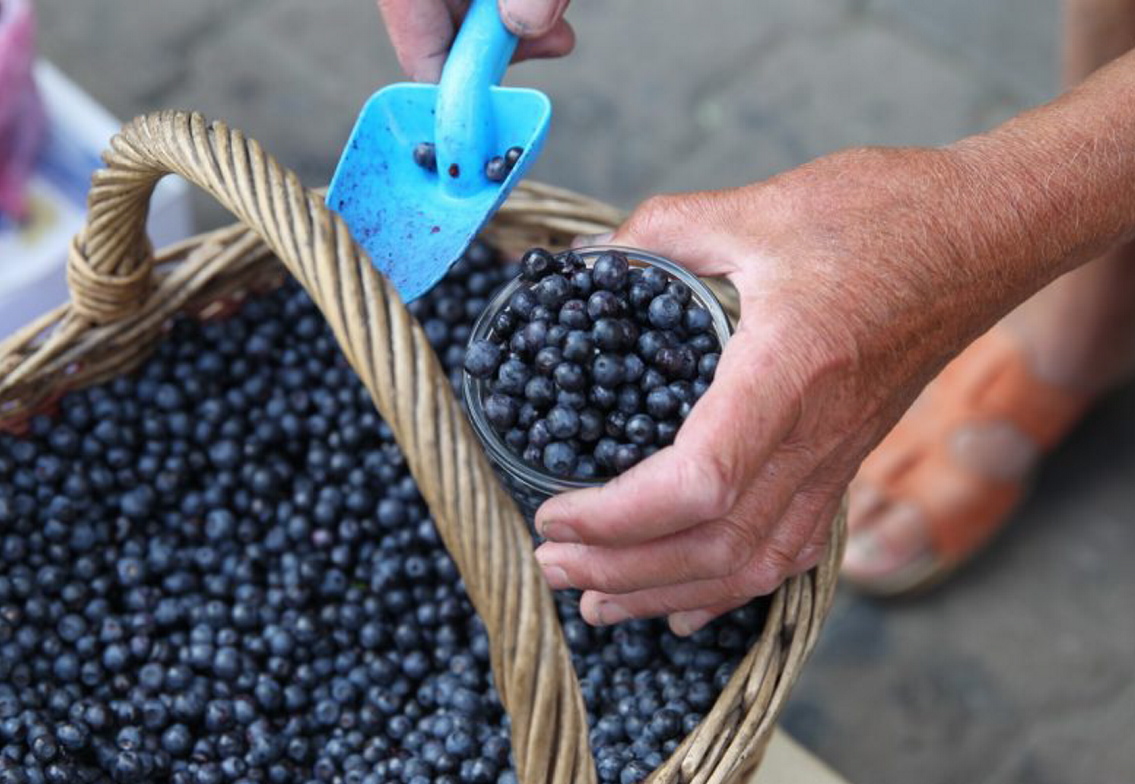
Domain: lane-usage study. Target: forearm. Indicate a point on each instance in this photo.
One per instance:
(1055, 186)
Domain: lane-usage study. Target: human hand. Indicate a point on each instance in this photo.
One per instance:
(422, 31)
(859, 276)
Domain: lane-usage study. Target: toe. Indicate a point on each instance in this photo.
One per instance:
(898, 538)
(865, 504)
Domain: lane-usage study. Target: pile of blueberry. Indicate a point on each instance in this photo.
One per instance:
(218, 569)
(497, 168)
(592, 369)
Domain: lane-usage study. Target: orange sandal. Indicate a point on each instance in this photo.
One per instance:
(916, 468)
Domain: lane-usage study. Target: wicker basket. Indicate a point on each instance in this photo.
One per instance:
(124, 295)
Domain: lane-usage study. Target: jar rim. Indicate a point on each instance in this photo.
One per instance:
(473, 389)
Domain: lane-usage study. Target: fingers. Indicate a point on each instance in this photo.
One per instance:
(710, 550)
(795, 544)
(557, 42)
(421, 33)
(719, 449)
(532, 18)
(685, 624)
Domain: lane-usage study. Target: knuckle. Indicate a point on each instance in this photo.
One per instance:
(709, 480)
(767, 572)
(726, 549)
(652, 214)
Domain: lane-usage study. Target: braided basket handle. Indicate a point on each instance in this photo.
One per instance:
(109, 273)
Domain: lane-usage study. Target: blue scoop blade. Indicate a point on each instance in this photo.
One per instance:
(413, 230)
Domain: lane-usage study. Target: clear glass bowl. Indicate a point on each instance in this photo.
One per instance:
(529, 485)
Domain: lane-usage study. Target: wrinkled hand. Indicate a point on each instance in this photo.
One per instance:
(852, 287)
(422, 31)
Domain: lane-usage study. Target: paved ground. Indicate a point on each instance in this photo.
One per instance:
(1020, 672)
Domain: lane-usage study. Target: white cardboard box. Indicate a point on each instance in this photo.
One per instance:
(33, 256)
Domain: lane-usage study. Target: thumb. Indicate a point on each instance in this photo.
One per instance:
(531, 18)
(697, 230)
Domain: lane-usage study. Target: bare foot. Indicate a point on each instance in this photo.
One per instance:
(952, 471)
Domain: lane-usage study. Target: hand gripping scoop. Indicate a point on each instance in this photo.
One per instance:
(415, 217)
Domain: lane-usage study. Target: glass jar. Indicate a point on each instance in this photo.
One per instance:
(530, 485)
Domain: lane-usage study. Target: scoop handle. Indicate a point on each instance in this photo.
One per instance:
(465, 131)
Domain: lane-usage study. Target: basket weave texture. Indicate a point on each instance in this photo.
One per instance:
(124, 295)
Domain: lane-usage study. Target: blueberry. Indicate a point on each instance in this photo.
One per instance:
(482, 358)
(512, 377)
(603, 398)
(610, 270)
(610, 334)
(512, 156)
(581, 283)
(522, 303)
(682, 390)
(540, 392)
(608, 370)
(501, 411)
(641, 429)
(570, 262)
(661, 403)
(569, 376)
(553, 291)
(603, 304)
(546, 360)
(425, 155)
(560, 458)
(176, 740)
(540, 434)
(655, 280)
(707, 366)
(649, 344)
(626, 456)
(586, 468)
(573, 315)
(665, 312)
(496, 169)
(670, 362)
(571, 399)
(563, 423)
(591, 424)
(640, 296)
(630, 400)
(679, 291)
(526, 416)
(633, 368)
(697, 320)
(704, 343)
(578, 347)
(615, 424)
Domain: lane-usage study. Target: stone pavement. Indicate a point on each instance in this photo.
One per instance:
(1021, 671)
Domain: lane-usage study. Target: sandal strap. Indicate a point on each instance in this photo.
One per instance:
(993, 383)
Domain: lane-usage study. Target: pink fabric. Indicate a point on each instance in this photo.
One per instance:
(22, 121)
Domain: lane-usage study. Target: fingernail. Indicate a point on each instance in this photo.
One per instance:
(559, 532)
(684, 624)
(586, 240)
(609, 613)
(862, 548)
(529, 17)
(557, 578)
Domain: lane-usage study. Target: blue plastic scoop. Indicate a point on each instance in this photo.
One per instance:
(416, 220)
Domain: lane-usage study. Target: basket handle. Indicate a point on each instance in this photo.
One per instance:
(109, 272)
